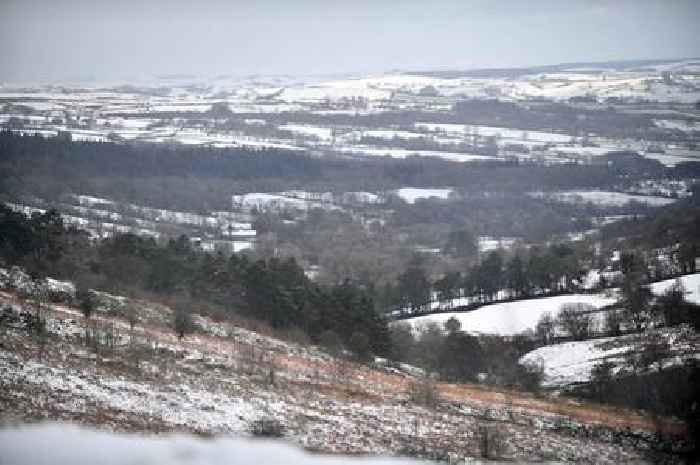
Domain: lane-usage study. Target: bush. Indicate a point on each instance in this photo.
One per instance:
(86, 302)
(267, 427)
(676, 310)
(601, 376)
(545, 328)
(360, 346)
(424, 392)
(331, 342)
(613, 322)
(295, 335)
(492, 442)
(182, 322)
(530, 377)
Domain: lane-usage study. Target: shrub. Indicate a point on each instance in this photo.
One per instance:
(331, 342)
(295, 335)
(492, 442)
(613, 322)
(86, 302)
(530, 377)
(267, 427)
(359, 345)
(601, 376)
(545, 328)
(423, 391)
(676, 310)
(182, 322)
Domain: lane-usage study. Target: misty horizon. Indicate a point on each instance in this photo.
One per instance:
(79, 40)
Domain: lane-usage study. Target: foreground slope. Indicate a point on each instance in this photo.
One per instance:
(227, 380)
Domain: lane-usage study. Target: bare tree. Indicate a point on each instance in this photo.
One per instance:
(545, 328)
(132, 317)
(636, 299)
(613, 322)
(575, 319)
(182, 322)
(86, 303)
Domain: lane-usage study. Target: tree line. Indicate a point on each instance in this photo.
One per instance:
(274, 291)
(555, 268)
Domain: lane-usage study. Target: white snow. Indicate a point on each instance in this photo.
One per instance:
(404, 153)
(571, 362)
(324, 134)
(680, 125)
(392, 134)
(488, 243)
(671, 159)
(519, 135)
(411, 194)
(512, 317)
(691, 283)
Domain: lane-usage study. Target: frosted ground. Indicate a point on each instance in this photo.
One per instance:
(212, 382)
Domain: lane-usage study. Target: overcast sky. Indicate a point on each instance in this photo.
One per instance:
(121, 39)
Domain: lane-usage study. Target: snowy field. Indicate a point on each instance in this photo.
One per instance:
(571, 362)
(186, 111)
(519, 135)
(411, 194)
(674, 157)
(691, 283)
(512, 317)
(372, 151)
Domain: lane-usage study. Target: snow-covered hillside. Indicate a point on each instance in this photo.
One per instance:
(223, 380)
(571, 362)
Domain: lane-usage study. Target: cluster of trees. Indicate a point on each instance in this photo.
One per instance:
(647, 383)
(486, 147)
(539, 270)
(506, 214)
(274, 291)
(558, 116)
(637, 311)
(61, 157)
(574, 319)
(30, 159)
(676, 224)
(458, 356)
